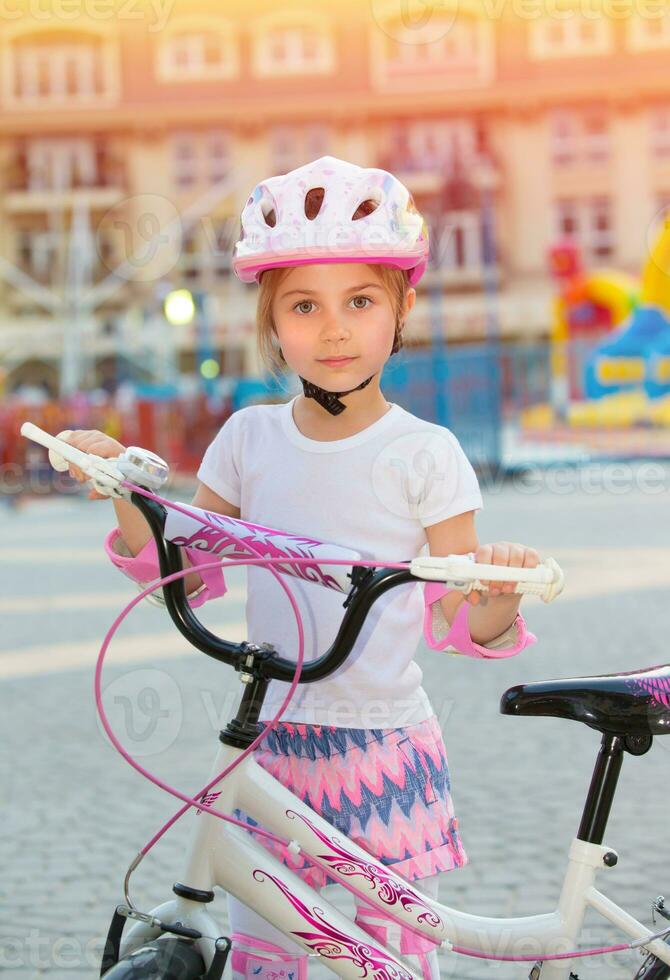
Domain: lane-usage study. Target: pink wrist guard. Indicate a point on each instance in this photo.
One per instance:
(143, 568)
(458, 634)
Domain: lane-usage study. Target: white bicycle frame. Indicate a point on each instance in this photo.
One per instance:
(223, 854)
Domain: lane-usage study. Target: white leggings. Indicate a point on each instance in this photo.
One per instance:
(244, 922)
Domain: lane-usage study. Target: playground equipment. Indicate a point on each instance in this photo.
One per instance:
(638, 355)
(626, 378)
(588, 305)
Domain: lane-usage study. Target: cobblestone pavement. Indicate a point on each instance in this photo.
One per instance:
(75, 813)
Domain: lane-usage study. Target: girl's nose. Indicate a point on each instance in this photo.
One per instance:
(334, 329)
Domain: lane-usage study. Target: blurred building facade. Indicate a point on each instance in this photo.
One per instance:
(130, 142)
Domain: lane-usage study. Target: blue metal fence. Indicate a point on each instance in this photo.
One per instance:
(459, 387)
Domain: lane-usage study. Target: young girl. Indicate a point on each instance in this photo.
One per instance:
(337, 251)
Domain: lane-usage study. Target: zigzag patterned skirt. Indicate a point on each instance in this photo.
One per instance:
(386, 789)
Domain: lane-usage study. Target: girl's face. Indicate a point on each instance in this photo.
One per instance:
(334, 310)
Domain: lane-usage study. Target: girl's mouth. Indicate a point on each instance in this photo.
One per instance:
(338, 362)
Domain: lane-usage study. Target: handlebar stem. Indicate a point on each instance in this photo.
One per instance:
(365, 591)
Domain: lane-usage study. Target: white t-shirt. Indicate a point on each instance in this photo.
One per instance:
(375, 492)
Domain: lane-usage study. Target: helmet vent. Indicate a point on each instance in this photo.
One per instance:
(364, 209)
(269, 211)
(313, 202)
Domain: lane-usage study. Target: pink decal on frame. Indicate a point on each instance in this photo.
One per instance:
(385, 884)
(329, 942)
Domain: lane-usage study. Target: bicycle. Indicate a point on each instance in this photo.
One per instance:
(180, 938)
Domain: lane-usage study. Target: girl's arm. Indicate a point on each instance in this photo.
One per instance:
(492, 619)
(131, 546)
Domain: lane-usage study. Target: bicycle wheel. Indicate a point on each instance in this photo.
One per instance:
(164, 959)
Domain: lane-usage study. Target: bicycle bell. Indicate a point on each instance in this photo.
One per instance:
(143, 467)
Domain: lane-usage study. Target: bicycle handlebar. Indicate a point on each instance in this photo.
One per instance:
(368, 586)
(111, 476)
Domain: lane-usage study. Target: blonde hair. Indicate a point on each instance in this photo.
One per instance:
(394, 281)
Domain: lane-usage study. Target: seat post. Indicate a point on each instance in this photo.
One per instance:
(602, 789)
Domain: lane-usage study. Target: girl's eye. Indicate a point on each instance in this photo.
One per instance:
(303, 302)
(365, 298)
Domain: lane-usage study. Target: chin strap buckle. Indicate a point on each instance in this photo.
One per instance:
(330, 400)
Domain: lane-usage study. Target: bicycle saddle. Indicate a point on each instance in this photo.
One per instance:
(635, 703)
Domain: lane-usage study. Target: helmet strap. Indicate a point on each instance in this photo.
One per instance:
(330, 400)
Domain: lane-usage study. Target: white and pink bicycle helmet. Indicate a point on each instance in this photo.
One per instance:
(330, 210)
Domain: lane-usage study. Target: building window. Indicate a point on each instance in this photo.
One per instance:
(217, 156)
(190, 261)
(650, 32)
(317, 140)
(185, 160)
(59, 67)
(292, 146)
(284, 46)
(567, 219)
(589, 223)
(564, 139)
(600, 238)
(459, 51)
(429, 146)
(596, 142)
(580, 138)
(283, 148)
(200, 158)
(195, 54)
(67, 70)
(454, 43)
(660, 132)
(574, 36)
(461, 243)
(61, 164)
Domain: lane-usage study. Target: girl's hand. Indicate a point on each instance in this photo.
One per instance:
(502, 553)
(91, 441)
